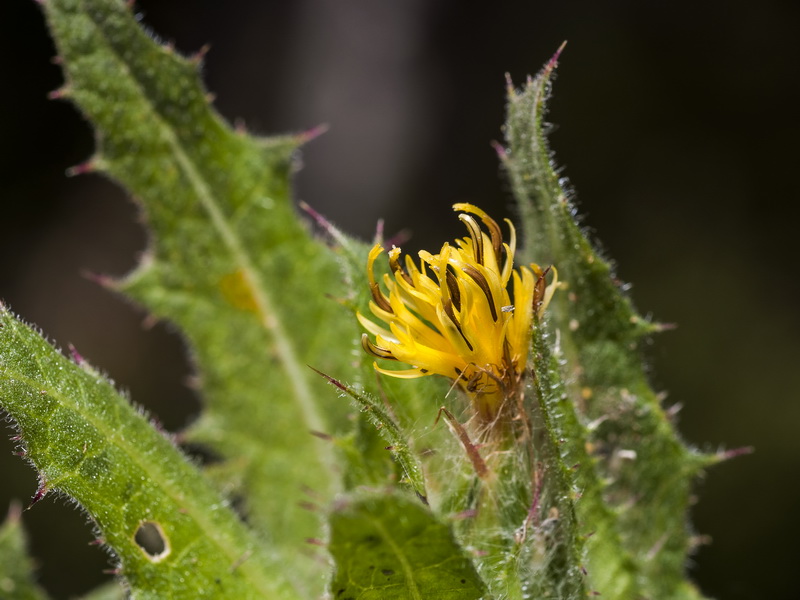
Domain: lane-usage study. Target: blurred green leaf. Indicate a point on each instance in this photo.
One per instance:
(16, 567)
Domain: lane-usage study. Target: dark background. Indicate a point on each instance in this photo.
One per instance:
(677, 125)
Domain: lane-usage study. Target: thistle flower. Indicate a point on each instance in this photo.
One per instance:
(454, 316)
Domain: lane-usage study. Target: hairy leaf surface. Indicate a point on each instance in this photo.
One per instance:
(229, 262)
(636, 480)
(88, 442)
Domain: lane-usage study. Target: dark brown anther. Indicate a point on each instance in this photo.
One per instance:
(478, 278)
(377, 295)
(374, 350)
(452, 286)
(394, 264)
(379, 298)
(496, 234)
(539, 289)
(476, 235)
(448, 309)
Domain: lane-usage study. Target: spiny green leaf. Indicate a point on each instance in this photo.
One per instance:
(87, 442)
(230, 263)
(390, 547)
(575, 541)
(16, 567)
(399, 446)
(644, 470)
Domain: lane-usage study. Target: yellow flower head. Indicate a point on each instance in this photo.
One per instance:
(454, 316)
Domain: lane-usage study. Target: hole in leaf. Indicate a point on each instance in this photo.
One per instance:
(151, 539)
